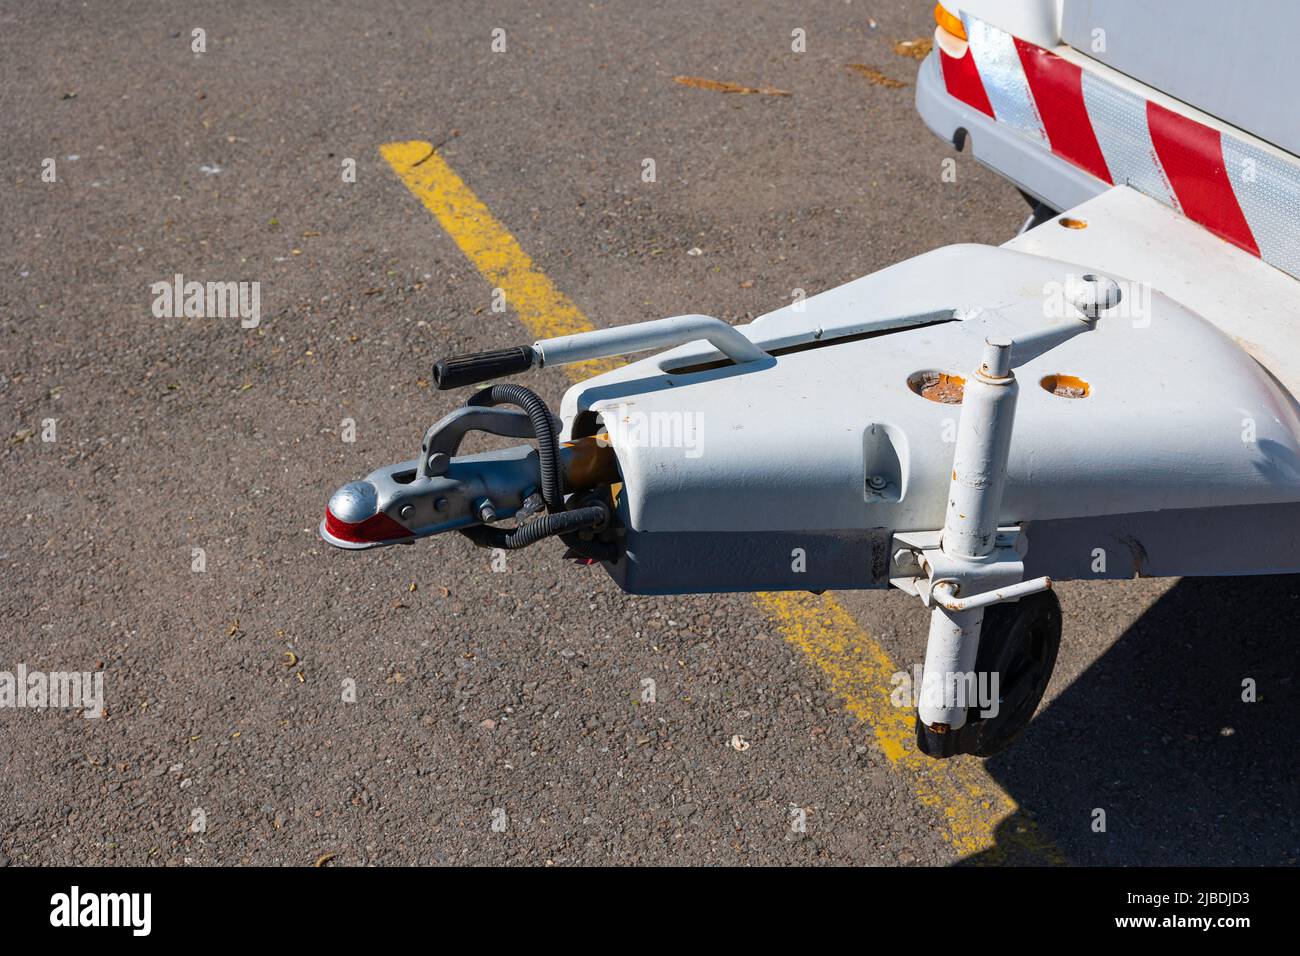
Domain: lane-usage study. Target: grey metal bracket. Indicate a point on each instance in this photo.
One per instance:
(443, 438)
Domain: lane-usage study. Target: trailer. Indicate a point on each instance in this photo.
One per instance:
(1110, 393)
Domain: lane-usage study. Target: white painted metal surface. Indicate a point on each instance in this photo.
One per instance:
(1038, 21)
(1233, 60)
(1136, 238)
(988, 413)
(979, 466)
(790, 446)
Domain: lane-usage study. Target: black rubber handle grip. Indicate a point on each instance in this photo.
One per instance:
(477, 367)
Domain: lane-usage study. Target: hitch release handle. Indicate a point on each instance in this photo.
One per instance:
(597, 344)
(460, 370)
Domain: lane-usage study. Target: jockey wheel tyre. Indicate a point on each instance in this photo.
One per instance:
(1019, 642)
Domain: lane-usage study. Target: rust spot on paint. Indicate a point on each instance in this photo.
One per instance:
(938, 386)
(1069, 222)
(1066, 386)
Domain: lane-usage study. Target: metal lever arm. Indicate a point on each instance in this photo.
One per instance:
(944, 594)
(656, 334)
(443, 438)
(458, 370)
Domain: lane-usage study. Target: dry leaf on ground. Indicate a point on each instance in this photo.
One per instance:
(916, 49)
(719, 86)
(875, 77)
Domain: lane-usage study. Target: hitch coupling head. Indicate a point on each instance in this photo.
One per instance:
(442, 491)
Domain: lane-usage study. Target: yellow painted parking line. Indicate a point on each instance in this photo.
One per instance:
(977, 816)
(545, 311)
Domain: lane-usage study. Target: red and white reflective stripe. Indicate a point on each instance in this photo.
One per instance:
(1004, 78)
(1240, 192)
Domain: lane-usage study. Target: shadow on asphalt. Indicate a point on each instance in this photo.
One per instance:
(1157, 735)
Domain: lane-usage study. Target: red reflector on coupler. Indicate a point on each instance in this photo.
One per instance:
(378, 527)
(354, 521)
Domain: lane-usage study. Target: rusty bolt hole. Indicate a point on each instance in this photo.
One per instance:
(1066, 386)
(1071, 223)
(937, 386)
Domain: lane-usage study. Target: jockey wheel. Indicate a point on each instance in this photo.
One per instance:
(1019, 642)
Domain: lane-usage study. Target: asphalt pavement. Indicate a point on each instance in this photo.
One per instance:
(165, 533)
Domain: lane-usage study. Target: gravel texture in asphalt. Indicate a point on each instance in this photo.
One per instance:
(498, 715)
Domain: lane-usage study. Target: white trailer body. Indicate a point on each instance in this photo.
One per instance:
(1110, 393)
